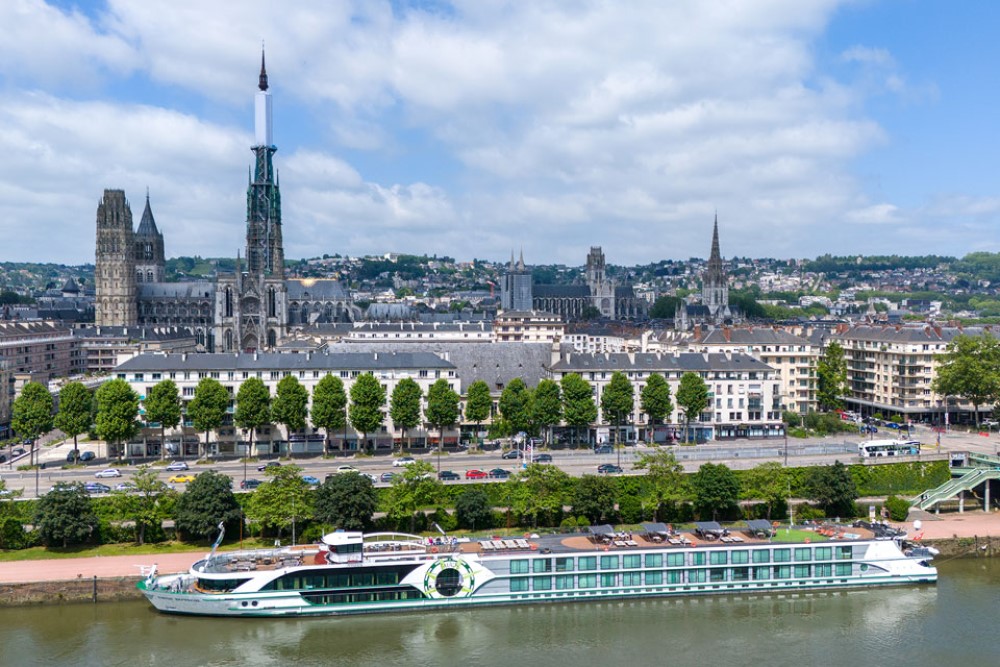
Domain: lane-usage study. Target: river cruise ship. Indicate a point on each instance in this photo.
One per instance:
(355, 573)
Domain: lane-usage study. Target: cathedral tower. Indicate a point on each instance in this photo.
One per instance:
(715, 285)
(251, 306)
(515, 286)
(114, 268)
(150, 264)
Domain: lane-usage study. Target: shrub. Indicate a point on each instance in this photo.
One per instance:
(898, 508)
(807, 512)
(568, 525)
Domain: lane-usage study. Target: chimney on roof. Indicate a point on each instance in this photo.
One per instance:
(255, 355)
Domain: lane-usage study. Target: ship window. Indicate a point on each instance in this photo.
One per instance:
(675, 577)
(717, 574)
(542, 565)
(698, 558)
(843, 569)
(783, 572)
(761, 556)
(824, 570)
(564, 564)
(587, 563)
(718, 558)
(656, 560)
(634, 560)
(518, 585)
(782, 555)
(741, 573)
(609, 580)
(845, 553)
(588, 580)
(803, 555)
(448, 582)
(655, 578)
(632, 579)
(519, 566)
(761, 573)
(824, 553)
(609, 562)
(542, 583)
(564, 581)
(674, 560)
(803, 571)
(697, 576)
(740, 557)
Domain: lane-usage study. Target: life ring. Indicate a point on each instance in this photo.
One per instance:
(434, 550)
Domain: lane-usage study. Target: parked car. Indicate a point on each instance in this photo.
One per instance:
(511, 454)
(3, 458)
(96, 487)
(127, 487)
(310, 480)
(448, 476)
(475, 474)
(373, 478)
(543, 458)
(177, 466)
(403, 461)
(388, 477)
(17, 451)
(270, 464)
(604, 449)
(108, 472)
(248, 484)
(609, 469)
(499, 473)
(87, 456)
(345, 468)
(71, 457)
(181, 479)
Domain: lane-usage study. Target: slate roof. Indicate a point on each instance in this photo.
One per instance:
(199, 289)
(494, 363)
(560, 291)
(315, 289)
(917, 334)
(361, 361)
(754, 336)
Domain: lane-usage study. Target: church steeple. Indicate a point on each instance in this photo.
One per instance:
(262, 82)
(715, 286)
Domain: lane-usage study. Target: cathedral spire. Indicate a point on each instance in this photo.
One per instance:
(262, 81)
(716, 256)
(520, 261)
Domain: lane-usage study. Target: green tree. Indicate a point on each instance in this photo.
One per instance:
(538, 492)
(76, 412)
(253, 408)
(404, 406)
(291, 405)
(833, 488)
(346, 501)
(329, 405)
(473, 509)
(13, 517)
(692, 399)
(163, 407)
(617, 402)
(367, 401)
(594, 497)
(515, 405)
(970, 370)
(31, 416)
(65, 516)
(546, 406)
(831, 377)
(665, 307)
(716, 490)
(666, 482)
(579, 408)
(117, 413)
(206, 502)
(281, 502)
(207, 410)
(767, 482)
(478, 403)
(147, 504)
(655, 399)
(443, 410)
(417, 487)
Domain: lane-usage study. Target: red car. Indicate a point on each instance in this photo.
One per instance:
(475, 474)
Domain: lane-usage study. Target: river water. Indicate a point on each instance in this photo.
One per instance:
(952, 624)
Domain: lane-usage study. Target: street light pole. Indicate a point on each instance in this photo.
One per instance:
(785, 430)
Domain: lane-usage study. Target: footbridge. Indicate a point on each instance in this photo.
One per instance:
(972, 480)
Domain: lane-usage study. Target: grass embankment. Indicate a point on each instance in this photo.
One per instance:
(45, 553)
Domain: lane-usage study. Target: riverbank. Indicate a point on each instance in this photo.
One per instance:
(113, 578)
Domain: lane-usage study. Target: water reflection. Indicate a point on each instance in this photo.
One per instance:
(908, 627)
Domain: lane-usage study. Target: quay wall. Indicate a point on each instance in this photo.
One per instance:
(95, 589)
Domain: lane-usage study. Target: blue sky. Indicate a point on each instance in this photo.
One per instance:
(469, 128)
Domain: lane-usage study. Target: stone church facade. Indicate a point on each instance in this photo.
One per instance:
(247, 310)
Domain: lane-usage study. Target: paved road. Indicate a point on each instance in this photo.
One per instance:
(737, 455)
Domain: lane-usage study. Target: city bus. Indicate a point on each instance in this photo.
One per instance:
(873, 448)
